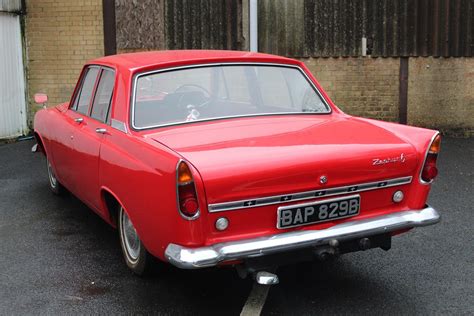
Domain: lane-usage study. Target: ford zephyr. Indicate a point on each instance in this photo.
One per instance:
(223, 158)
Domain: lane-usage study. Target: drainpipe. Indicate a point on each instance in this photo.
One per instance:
(403, 91)
(253, 25)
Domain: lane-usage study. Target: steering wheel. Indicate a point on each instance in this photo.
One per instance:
(189, 87)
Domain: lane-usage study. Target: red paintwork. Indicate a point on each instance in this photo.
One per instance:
(232, 159)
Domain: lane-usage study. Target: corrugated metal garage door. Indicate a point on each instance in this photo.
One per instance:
(12, 79)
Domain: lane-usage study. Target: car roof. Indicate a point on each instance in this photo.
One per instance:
(159, 59)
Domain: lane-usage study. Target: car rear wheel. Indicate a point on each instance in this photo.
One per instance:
(55, 186)
(136, 256)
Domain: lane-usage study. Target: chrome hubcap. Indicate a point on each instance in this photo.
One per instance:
(130, 238)
(52, 178)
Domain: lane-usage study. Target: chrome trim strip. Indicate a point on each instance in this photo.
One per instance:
(135, 79)
(424, 160)
(193, 258)
(282, 208)
(121, 126)
(277, 199)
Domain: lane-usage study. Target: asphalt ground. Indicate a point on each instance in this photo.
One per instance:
(58, 257)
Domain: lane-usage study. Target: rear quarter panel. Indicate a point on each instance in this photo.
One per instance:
(421, 139)
(141, 174)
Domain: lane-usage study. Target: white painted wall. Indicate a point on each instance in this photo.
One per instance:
(10, 5)
(12, 79)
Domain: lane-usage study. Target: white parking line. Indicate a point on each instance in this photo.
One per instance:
(256, 300)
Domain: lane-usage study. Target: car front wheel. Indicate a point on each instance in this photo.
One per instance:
(136, 256)
(54, 184)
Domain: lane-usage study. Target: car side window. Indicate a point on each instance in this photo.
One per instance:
(274, 87)
(84, 97)
(103, 95)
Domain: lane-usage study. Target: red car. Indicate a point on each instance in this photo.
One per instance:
(211, 158)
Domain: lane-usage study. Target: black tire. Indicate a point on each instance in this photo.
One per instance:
(55, 186)
(136, 256)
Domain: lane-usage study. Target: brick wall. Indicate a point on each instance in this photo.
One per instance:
(441, 94)
(440, 90)
(60, 36)
(360, 86)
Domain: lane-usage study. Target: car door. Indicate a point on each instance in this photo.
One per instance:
(63, 153)
(88, 137)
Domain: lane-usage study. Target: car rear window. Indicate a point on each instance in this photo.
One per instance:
(222, 91)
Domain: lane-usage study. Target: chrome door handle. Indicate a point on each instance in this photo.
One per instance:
(79, 120)
(101, 130)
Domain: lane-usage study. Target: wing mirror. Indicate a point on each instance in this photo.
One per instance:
(41, 98)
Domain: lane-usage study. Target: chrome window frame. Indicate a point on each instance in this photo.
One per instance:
(99, 78)
(77, 93)
(138, 75)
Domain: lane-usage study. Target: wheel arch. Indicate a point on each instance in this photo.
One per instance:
(40, 143)
(111, 205)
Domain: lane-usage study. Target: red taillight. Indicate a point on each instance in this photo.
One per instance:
(430, 171)
(187, 198)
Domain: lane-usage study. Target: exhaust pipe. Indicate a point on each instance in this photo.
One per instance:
(266, 278)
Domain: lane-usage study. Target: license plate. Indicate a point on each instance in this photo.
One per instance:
(315, 212)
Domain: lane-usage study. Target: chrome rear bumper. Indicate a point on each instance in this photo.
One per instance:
(193, 258)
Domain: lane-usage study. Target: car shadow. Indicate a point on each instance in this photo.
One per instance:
(86, 238)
